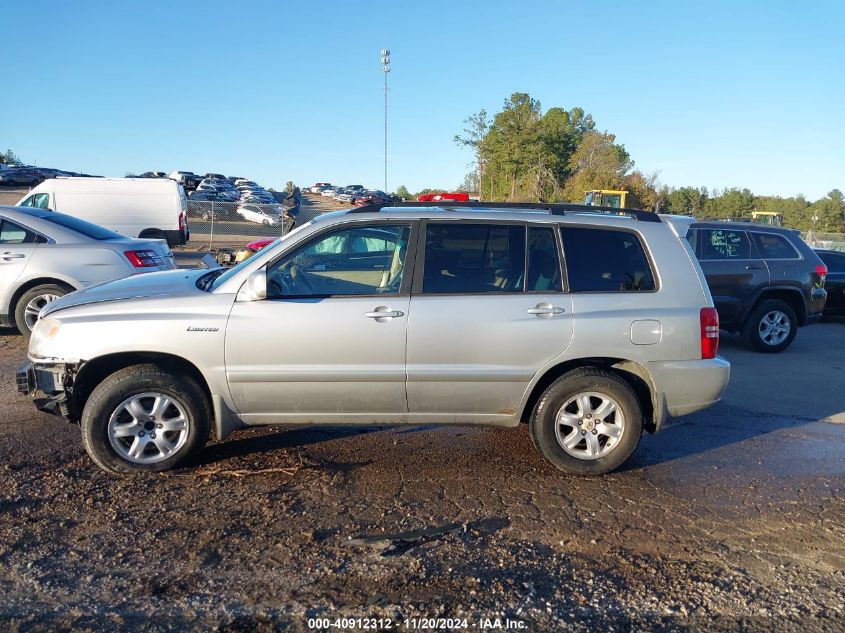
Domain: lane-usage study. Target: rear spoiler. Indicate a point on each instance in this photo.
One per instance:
(680, 223)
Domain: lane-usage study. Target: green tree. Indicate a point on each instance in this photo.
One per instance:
(598, 163)
(9, 158)
(289, 186)
(476, 128)
(830, 212)
(403, 193)
(512, 142)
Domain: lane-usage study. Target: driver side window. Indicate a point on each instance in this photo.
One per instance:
(361, 260)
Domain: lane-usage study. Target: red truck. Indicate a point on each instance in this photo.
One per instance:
(458, 196)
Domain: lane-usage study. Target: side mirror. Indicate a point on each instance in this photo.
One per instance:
(255, 288)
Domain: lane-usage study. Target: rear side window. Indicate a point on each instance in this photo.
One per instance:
(543, 261)
(11, 233)
(773, 246)
(94, 231)
(474, 258)
(716, 244)
(601, 260)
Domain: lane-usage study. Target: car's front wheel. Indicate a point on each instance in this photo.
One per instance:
(145, 419)
(31, 302)
(587, 422)
(771, 327)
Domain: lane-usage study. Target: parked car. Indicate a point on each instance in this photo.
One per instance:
(46, 255)
(834, 282)
(589, 355)
(319, 186)
(136, 207)
(766, 281)
(328, 192)
(17, 177)
(255, 213)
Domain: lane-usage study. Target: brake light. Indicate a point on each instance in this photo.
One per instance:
(709, 332)
(821, 271)
(183, 222)
(143, 259)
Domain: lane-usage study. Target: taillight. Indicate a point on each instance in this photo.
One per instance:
(821, 271)
(143, 259)
(183, 222)
(709, 332)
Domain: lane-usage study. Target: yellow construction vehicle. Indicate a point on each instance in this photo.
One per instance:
(608, 198)
(767, 217)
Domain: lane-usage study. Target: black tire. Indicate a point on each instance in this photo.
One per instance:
(751, 330)
(139, 379)
(152, 234)
(580, 381)
(31, 295)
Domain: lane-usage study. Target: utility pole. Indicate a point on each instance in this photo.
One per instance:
(385, 68)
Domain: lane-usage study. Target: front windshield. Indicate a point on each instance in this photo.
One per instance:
(234, 270)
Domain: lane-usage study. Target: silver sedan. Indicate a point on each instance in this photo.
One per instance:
(45, 255)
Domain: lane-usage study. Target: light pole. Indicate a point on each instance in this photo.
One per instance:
(385, 68)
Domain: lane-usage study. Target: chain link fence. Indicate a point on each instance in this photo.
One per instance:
(835, 241)
(216, 225)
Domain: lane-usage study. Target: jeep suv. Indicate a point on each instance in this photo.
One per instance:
(766, 281)
(589, 326)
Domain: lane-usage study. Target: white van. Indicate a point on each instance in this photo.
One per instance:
(136, 207)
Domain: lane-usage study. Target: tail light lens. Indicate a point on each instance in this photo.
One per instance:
(709, 332)
(821, 271)
(183, 222)
(144, 259)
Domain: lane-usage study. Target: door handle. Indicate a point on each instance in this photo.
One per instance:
(383, 314)
(753, 268)
(545, 310)
(8, 255)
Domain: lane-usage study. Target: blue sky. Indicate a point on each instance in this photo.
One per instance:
(714, 94)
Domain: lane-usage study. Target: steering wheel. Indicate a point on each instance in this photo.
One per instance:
(299, 276)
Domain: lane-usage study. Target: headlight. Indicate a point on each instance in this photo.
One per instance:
(44, 331)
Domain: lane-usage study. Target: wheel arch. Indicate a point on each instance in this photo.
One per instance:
(633, 373)
(791, 296)
(29, 284)
(93, 372)
(153, 233)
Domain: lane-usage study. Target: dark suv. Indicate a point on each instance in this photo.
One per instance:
(765, 281)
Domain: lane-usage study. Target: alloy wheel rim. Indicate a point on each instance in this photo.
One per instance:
(148, 427)
(34, 307)
(589, 425)
(774, 327)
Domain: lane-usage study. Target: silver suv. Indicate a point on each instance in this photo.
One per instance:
(589, 326)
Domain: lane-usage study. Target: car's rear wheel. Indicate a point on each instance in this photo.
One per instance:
(31, 302)
(587, 422)
(771, 327)
(145, 419)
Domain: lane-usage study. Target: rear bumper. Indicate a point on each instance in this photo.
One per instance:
(688, 386)
(818, 298)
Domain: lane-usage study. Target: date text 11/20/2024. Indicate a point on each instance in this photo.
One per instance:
(416, 624)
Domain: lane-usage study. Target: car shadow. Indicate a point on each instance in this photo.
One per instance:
(260, 440)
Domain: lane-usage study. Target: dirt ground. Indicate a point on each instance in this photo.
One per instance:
(731, 520)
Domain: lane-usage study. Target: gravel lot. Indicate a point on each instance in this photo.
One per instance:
(731, 520)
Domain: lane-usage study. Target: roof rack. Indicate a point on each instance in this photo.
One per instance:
(554, 208)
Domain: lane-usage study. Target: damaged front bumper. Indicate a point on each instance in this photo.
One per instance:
(54, 380)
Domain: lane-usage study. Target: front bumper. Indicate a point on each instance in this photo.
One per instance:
(51, 380)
